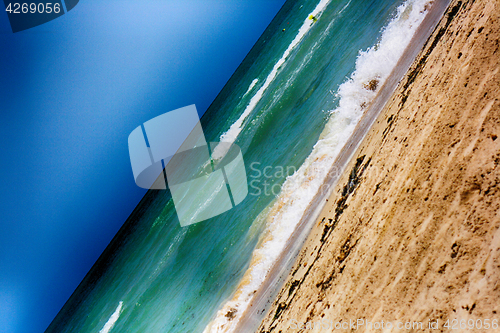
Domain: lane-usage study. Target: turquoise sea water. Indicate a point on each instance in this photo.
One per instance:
(290, 105)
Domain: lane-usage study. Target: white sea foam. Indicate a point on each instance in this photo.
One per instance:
(112, 320)
(254, 82)
(232, 133)
(373, 67)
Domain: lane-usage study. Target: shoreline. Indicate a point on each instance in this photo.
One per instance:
(341, 274)
(254, 314)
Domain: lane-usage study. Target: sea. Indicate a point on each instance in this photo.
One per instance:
(290, 106)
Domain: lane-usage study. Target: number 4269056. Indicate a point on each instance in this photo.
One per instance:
(471, 324)
(24, 8)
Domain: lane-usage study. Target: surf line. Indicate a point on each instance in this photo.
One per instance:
(112, 320)
(235, 129)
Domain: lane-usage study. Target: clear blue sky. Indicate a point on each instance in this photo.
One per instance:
(71, 91)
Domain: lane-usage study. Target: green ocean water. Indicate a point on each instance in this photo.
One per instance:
(158, 277)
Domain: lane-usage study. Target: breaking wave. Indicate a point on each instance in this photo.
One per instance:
(373, 67)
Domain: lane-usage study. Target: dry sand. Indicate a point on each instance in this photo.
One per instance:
(411, 231)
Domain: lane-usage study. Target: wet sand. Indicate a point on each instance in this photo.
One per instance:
(410, 232)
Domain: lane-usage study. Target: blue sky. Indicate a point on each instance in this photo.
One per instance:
(71, 91)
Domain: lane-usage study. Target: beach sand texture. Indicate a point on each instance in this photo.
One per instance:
(411, 231)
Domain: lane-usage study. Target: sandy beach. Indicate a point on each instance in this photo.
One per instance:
(410, 233)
